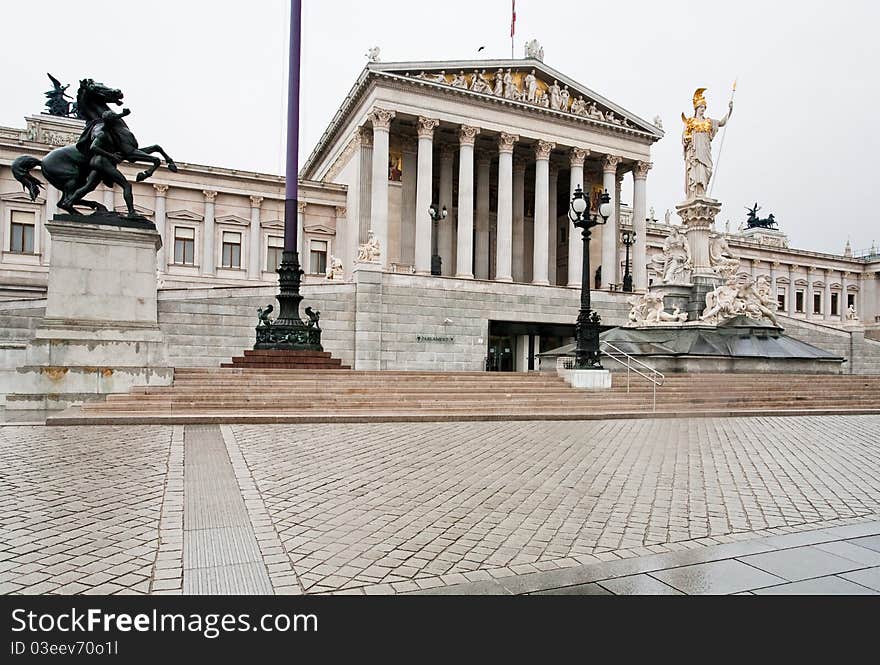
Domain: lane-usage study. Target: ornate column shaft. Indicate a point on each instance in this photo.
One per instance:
(481, 250)
(792, 291)
(640, 225)
(575, 243)
(409, 185)
(552, 237)
(381, 120)
(609, 231)
(160, 207)
(504, 228)
(208, 251)
(446, 227)
(464, 262)
(540, 250)
(255, 242)
(424, 192)
(519, 200)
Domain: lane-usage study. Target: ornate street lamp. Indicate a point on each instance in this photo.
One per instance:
(288, 332)
(628, 238)
(588, 321)
(437, 215)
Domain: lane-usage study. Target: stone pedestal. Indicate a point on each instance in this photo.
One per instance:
(368, 316)
(677, 295)
(587, 379)
(698, 216)
(100, 334)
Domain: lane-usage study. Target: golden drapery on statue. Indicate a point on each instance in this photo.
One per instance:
(697, 142)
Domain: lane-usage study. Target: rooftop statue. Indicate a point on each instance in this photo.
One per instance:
(56, 100)
(697, 142)
(77, 170)
(755, 222)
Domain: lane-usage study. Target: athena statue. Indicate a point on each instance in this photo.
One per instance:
(697, 140)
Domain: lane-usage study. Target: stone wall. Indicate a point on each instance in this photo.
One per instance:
(862, 354)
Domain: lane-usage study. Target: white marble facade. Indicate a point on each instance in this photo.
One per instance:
(500, 144)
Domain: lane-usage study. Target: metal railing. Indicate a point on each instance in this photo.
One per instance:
(633, 365)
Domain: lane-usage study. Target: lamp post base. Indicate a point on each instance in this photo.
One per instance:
(288, 332)
(587, 379)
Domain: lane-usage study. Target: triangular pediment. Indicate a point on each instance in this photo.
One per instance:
(320, 229)
(140, 210)
(272, 224)
(185, 215)
(550, 91)
(233, 219)
(21, 197)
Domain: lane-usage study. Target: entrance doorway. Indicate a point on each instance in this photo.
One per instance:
(500, 354)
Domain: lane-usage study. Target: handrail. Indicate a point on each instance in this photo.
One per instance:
(655, 378)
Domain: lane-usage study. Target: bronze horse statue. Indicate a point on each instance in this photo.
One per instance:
(77, 170)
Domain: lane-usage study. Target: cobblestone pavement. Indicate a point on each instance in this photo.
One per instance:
(80, 509)
(395, 508)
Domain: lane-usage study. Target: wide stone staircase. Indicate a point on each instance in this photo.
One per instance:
(293, 396)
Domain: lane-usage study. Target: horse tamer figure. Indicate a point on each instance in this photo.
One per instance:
(77, 170)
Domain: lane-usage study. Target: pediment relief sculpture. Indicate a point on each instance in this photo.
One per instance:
(527, 87)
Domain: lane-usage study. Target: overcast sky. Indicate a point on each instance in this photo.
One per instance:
(206, 80)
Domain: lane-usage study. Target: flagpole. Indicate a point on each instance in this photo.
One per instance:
(721, 145)
(512, 25)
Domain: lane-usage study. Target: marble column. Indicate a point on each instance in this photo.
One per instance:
(519, 200)
(208, 251)
(424, 194)
(446, 226)
(159, 219)
(826, 298)
(809, 293)
(381, 120)
(504, 223)
(575, 241)
(792, 291)
(365, 171)
(640, 225)
(409, 184)
(844, 298)
(481, 250)
(774, 288)
(609, 231)
(553, 237)
(464, 262)
(255, 241)
(540, 247)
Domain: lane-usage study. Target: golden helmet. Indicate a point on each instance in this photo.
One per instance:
(699, 99)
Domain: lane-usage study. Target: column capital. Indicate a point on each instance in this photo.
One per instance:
(577, 156)
(301, 207)
(161, 190)
(775, 264)
(610, 164)
(426, 127)
(381, 118)
(506, 142)
(256, 201)
(543, 150)
(341, 211)
(366, 137)
(519, 164)
(640, 170)
(210, 195)
(467, 135)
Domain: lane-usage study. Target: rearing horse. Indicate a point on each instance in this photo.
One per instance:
(76, 170)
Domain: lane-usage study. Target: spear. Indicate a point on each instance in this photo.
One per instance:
(721, 145)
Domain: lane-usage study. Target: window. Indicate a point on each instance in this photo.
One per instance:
(231, 250)
(21, 239)
(780, 298)
(799, 301)
(817, 303)
(835, 304)
(318, 257)
(273, 255)
(184, 246)
(850, 300)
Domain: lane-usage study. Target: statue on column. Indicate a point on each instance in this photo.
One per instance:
(697, 142)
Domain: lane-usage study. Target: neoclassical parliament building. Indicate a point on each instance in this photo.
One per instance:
(498, 146)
